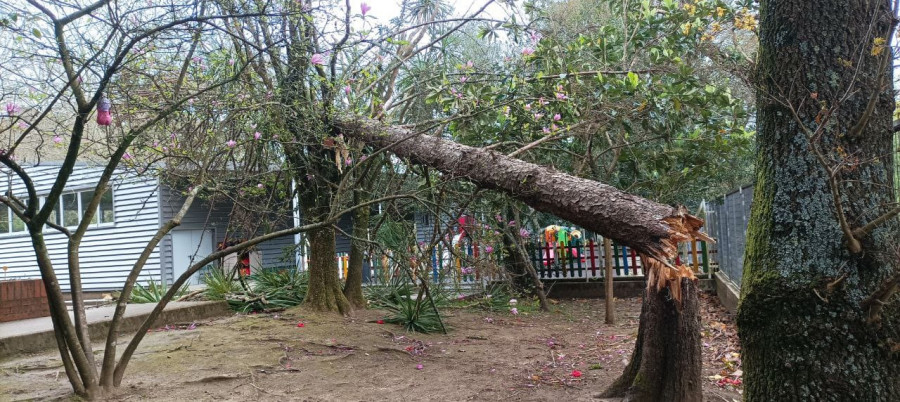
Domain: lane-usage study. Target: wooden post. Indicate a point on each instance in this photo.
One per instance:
(593, 264)
(608, 266)
(694, 256)
(704, 251)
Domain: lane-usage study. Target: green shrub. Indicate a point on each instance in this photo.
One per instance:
(218, 284)
(273, 289)
(153, 293)
(413, 315)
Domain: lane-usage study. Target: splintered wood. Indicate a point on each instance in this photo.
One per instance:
(662, 274)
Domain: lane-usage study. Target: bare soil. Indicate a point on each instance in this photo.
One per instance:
(486, 356)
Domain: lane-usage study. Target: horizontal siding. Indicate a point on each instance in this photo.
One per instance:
(215, 216)
(107, 252)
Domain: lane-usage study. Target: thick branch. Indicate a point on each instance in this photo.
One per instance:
(649, 227)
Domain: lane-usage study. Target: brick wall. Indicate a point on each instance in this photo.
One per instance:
(20, 300)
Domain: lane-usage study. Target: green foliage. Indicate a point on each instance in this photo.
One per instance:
(414, 315)
(153, 293)
(218, 284)
(273, 289)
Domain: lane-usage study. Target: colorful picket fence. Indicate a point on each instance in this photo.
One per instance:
(576, 260)
(585, 260)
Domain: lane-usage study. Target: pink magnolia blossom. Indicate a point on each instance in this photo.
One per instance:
(230, 62)
(317, 59)
(470, 64)
(231, 143)
(553, 127)
(527, 51)
(524, 233)
(546, 130)
(537, 116)
(257, 135)
(347, 90)
(557, 117)
(463, 79)
(561, 96)
(528, 107)
(488, 249)
(514, 311)
(543, 101)
(420, 367)
(57, 139)
(127, 156)
(364, 8)
(12, 108)
(260, 185)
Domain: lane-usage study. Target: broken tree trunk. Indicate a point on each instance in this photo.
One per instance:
(666, 363)
(652, 228)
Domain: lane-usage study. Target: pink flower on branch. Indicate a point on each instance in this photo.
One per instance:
(317, 59)
(364, 8)
(231, 143)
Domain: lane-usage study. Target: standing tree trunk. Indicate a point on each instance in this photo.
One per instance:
(517, 262)
(666, 362)
(324, 293)
(824, 162)
(353, 285)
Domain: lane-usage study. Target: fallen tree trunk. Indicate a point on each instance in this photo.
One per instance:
(652, 228)
(666, 363)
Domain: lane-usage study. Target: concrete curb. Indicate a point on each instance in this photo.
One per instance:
(728, 293)
(623, 288)
(178, 312)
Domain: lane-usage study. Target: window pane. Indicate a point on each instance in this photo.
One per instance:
(17, 224)
(54, 216)
(4, 219)
(70, 209)
(85, 200)
(107, 215)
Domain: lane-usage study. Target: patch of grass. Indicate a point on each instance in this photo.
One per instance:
(153, 293)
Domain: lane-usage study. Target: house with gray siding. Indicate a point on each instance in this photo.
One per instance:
(129, 215)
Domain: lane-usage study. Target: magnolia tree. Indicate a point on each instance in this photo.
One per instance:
(321, 59)
(130, 87)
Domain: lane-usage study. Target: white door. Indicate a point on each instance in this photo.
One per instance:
(188, 247)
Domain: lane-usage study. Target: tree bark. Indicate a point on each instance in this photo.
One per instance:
(353, 285)
(324, 293)
(650, 227)
(666, 362)
(802, 322)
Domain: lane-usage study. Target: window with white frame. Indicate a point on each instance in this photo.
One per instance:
(9, 222)
(73, 206)
(68, 211)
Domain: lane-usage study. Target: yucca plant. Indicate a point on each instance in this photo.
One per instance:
(153, 293)
(219, 284)
(414, 315)
(273, 289)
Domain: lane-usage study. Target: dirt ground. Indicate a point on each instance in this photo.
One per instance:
(486, 356)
